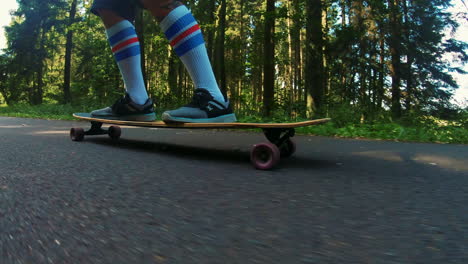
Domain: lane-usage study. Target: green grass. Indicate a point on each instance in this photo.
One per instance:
(45, 111)
(424, 130)
(393, 131)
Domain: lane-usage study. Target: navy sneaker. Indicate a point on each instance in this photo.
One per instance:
(202, 109)
(127, 110)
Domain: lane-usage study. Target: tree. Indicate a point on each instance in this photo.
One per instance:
(296, 54)
(395, 51)
(314, 83)
(68, 53)
(269, 59)
(219, 61)
(29, 43)
(352, 60)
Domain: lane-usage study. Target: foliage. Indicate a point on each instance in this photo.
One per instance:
(452, 133)
(363, 63)
(424, 129)
(43, 111)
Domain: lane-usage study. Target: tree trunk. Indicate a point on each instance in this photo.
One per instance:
(172, 76)
(409, 56)
(269, 59)
(243, 54)
(357, 18)
(39, 91)
(314, 57)
(4, 75)
(382, 74)
(181, 77)
(326, 72)
(296, 50)
(210, 33)
(343, 12)
(68, 54)
(395, 52)
(257, 61)
(140, 30)
(289, 76)
(219, 61)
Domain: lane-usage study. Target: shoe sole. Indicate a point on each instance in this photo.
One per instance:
(139, 118)
(230, 118)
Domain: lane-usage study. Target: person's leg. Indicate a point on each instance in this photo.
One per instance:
(185, 36)
(126, 49)
(161, 8)
(116, 16)
(109, 17)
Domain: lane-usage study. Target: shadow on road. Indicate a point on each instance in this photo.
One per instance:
(234, 155)
(181, 151)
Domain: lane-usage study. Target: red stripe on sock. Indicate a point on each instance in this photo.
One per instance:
(185, 34)
(125, 43)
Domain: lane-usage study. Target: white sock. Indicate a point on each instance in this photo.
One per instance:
(126, 48)
(186, 38)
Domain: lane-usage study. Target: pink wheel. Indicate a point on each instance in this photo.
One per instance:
(115, 132)
(264, 156)
(77, 134)
(288, 149)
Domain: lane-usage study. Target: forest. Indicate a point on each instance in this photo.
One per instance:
(355, 61)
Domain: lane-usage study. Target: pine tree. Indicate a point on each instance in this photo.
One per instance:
(314, 83)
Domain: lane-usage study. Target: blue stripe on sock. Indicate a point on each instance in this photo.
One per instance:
(179, 25)
(121, 35)
(127, 53)
(190, 44)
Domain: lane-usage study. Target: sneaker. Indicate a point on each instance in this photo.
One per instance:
(202, 109)
(126, 109)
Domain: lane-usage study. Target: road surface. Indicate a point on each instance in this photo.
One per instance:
(191, 196)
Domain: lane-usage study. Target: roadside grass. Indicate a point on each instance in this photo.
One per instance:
(393, 131)
(44, 111)
(424, 130)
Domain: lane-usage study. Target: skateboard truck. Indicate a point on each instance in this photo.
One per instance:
(279, 136)
(96, 129)
(77, 134)
(264, 156)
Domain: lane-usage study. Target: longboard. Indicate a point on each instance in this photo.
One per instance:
(264, 156)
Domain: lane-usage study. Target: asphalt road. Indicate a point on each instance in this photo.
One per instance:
(191, 196)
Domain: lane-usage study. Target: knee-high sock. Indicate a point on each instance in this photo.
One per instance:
(126, 48)
(186, 38)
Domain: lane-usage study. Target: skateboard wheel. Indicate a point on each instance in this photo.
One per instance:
(264, 156)
(288, 148)
(115, 132)
(77, 134)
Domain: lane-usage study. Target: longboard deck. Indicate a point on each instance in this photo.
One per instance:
(263, 156)
(161, 124)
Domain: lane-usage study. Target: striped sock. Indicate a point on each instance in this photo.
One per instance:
(185, 36)
(126, 48)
